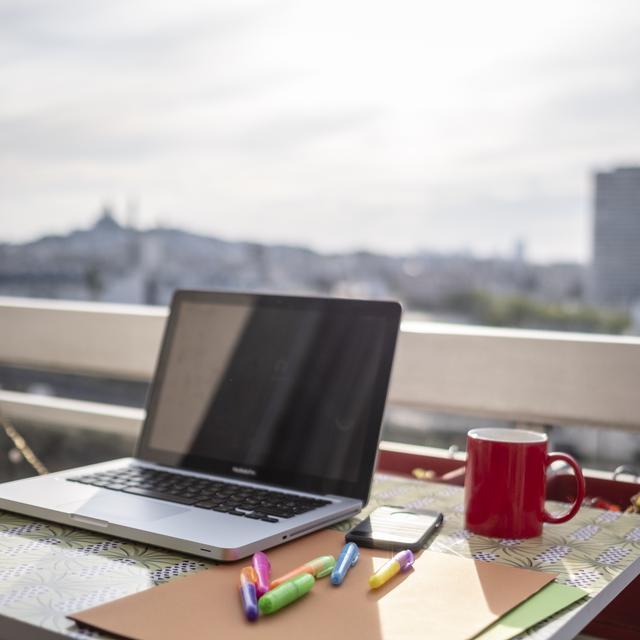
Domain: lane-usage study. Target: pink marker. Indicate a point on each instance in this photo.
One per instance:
(262, 567)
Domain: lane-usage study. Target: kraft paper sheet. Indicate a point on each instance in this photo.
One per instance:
(448, 597)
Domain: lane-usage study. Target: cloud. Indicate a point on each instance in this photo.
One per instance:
(342, 123)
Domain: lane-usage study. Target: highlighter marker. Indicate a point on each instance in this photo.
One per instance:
(262, 567)
(248, 593)
(347, 558)
(402, 561)
(286, 593)
(318, 568)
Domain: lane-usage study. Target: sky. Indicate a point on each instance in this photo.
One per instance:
(393, 126)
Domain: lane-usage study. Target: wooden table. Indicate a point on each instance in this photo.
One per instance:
(48, 570)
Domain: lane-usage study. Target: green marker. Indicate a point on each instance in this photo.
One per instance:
(286, 593)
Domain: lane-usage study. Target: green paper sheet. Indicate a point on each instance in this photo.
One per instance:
(549, 600)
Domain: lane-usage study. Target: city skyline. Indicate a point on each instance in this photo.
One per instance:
(127, 220)
(427, 127)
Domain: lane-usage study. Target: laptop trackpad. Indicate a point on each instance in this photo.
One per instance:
(121, 508)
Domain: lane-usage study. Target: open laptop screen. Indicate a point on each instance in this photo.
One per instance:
(287, 390)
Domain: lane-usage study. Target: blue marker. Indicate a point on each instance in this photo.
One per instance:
(347, 558)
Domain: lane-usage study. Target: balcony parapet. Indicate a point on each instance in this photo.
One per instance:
(539, 377)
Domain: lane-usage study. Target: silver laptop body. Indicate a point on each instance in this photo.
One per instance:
(273, 402)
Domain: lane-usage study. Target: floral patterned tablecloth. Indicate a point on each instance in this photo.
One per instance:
(49, 570)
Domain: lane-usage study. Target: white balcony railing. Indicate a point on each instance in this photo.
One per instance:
(523, 376)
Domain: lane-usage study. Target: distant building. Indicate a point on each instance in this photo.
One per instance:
(106, 221)
(615, 275)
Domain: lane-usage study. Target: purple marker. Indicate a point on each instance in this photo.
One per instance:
(262, 567)
(248, 593)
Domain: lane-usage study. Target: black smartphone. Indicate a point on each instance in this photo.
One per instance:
(396, 528)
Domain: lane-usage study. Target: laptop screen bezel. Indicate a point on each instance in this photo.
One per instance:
(389, 313)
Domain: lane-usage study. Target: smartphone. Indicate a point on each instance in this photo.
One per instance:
(396, 528)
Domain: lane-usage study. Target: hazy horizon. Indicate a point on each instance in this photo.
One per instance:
(129, 225)
(336, 126)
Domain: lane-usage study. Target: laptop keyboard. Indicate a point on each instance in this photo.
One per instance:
(225, 497)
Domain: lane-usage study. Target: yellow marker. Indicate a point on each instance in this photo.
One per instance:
(402, 561)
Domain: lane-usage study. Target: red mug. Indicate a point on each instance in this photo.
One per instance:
(505, 483)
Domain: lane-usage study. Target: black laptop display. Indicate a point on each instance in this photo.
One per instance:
(283, 390)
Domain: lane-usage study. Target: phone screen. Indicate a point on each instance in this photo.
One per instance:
(396, 528)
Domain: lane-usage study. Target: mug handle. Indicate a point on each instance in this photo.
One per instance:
(580, 488)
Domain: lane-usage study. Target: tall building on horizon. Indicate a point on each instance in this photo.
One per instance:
(615, 266)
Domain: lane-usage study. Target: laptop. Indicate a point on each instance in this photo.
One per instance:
(262, 425)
